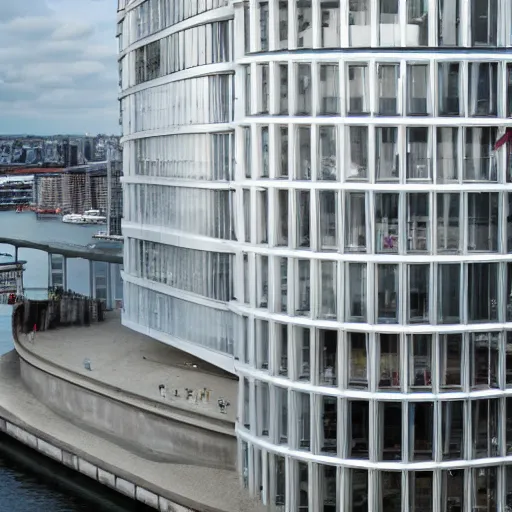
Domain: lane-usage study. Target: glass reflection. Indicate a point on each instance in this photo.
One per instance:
(304, 426)
(328, 434)
(281, 331)
(358, 360)
(387, 294)
(262, 337)
(485, 427)
(283, 89)
(386, 223)
(420, 361)
(328, 355)
(358, 98)
(420, 491)
(450, 357)
(418, 222)
(449, 88)
(419, 285)
(484, 486)
(356, 292)
(302, 300)
(303, 486)
(483, 292)
(282, 417)
(389, 361)
(304, 24)
(329, 90)
(303, 171)
(483, 358)
(388, 86)
(389, 433)
(448, 23)
(448, 222)
(359, 23)
(452, 430)
(418, 101)
(328, 167)
(328, 290)
(448, 293)
(304, 94)
(303, 348)
(282, 217)
(327, 232)
(356, 164)
(330, 23)
(421, 431)
(358, 425)
(303, 208)
(355, 226)
(390, 487)
(387, 155)
(357, 498)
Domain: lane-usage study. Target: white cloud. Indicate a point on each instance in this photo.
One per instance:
(58, 66)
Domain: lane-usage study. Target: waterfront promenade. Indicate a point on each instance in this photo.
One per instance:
(127, 369)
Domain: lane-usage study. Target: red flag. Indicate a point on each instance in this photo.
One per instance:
(35, 327)
(504, 139)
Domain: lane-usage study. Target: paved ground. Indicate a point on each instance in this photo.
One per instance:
(220, 489)
(136, 363)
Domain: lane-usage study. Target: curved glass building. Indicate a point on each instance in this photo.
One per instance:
(177, 81)
(315, 201)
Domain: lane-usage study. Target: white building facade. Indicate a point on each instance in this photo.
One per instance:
(313, 200)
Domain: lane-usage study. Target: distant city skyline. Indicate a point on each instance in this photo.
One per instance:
(58, 68)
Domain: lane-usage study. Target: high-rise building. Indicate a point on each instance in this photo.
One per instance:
(314, 201)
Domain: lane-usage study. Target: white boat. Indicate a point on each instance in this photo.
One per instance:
(88, 217)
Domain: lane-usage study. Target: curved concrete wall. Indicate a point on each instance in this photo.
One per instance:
(149, 435)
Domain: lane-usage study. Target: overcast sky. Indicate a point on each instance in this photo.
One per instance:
(58, 67)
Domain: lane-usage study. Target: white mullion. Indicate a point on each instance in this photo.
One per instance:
(273, 25)
(316, 20)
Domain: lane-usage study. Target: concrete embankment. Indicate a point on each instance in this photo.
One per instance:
(183, 455)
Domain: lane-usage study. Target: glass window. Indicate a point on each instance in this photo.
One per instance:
(283, 24)
(247, 152)
(283, 89)
(447, 154)
(448, 293)
(261, 345)
(508, 298)
(264, 152)
(247, 401)
(262, 224)
(263, 408)
(356, 292)
(328, 436)
(357, 497)
(448, 23)
(280, 481)
(417, 23)
(479, 161)
(483, 88)
(303, 90)
(359, 23)
(303, 347)
(356, 164)
(483, 221)
(389, 431)
(247, 90)
(390, 491)
(302, 301)
(418, 222)
(449, 88)
(282, 349)
(327, 168)
(421, 433)
(303, 233)
(358, 98)
(483, 359)
(329, 90)
(387, 297)
(247, 288)
(420, 362)
(420, 491)
(389, 23)
(389, 368)
(282, 419)
(358, 360)
(386, 223)
(508, 428)
(387, 153)
(282, 217)
(327, 220)
(355, 223)
(330, 23)
(358, 429)
(482, 292)
(328, 489)
(418, 90)
(388, 86)
(281, 302)
(247, 214)
(418, 154)
(418, 310)
(508, 358)
(484, 489)
(452, 430)
(509, 90)
(328, 290)
(282, 151)
(304, 24)
(262, 281)
(484, 22)
(450, 357)
(263, 89)
(303, 486)
(264, 25)
(448, 222)
(303, 170)
(328, 354)
(485, 426)
(304, 426)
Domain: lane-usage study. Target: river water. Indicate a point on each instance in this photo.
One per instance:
(29, 482)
